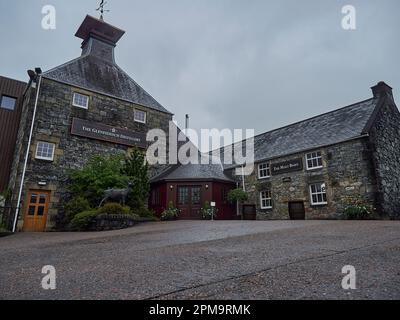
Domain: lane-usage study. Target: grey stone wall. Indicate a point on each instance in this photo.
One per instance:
(347, 172)
(385, 145)
(53, 124)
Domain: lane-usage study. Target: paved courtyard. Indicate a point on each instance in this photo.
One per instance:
(207, 260)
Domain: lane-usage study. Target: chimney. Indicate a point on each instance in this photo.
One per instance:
(99, 38)
(382, 89)
(187, 122)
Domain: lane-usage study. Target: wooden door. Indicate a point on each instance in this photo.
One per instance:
(189, 202)
(36, 211)
(297, 211)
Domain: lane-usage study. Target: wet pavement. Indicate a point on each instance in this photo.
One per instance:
(207, 260)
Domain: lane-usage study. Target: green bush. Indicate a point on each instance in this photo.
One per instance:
(114, 208)
(81, 221)
(98, 175)
(170, 213)
(358, 212)
(75, 206)
(237, 195)
(143, 212)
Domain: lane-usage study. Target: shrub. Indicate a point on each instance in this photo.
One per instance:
(357, 212)
(99, 174)
(82, 221)
(114, 208)
(136, 169)
(170, 213)
(355, 208)
(75, 206)
(237, 195)
(207, 211)
(143, 212)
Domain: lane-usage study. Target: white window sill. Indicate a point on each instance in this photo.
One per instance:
(265, 208)
(79, 106)
(319, 204)
(44, 159)
(315, 168)
(263, 178)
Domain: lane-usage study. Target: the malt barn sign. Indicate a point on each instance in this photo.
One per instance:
(103, 132)
(287, 166)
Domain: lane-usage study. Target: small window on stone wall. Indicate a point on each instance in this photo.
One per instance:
(140, 116)
(266, 199)
(264, 170)
(314, 160)
(318, 194)
(45, 151)
(80, 101)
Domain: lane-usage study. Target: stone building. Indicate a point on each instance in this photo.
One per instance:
(88, 106)
(313, 168)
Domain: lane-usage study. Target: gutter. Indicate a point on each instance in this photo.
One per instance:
(17, 211)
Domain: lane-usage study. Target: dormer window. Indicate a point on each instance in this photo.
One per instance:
(314, 160)
(140, 116)
(80, 100)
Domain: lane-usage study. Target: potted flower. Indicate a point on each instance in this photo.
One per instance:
(171, 213)
(208, 212)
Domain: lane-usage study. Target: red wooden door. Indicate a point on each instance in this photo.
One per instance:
(189, 202)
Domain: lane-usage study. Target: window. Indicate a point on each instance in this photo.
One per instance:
(183, 195)
(80, 100)
(140, 116)
(156, 197)
(264, 170)
(314, 160)
(45, 151)
(266, 199)
(318, 194)
(196, 195)
(8, 103)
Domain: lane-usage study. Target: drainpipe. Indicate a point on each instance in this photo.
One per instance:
(39, 82)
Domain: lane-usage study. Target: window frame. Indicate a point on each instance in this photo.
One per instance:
(45, 158)
(78, 105)
(314, 158)
(9, 97)
(139, 120)
(266, 199)
(268, 169)
(322, 193)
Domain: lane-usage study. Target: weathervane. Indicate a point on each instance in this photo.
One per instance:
(101, 9)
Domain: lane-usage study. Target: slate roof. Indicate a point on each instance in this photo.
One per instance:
(95, 74)
(96, 70)
(195, 172)
(326, 129)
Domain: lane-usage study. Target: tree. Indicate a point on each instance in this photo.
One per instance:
(136, 169)
(237, 196)
(99, 174)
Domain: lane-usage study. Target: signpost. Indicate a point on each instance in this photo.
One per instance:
(287, 166)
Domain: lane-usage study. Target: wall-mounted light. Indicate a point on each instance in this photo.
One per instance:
(207, 186)
(171, 186)
(42, 183)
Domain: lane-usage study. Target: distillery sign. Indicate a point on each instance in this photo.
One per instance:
(287, 166)
(103, 132)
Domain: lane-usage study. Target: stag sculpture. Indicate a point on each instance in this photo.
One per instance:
(119, 195)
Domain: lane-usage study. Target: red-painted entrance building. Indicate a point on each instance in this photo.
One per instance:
(189, 187)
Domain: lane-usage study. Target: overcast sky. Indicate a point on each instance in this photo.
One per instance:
(229, 64)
